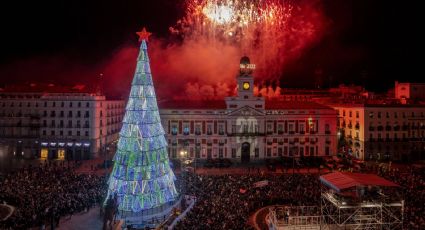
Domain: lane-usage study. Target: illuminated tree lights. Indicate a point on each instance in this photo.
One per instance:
(141, 178)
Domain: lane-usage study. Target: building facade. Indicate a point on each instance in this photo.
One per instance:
(379, 131)
(408, 90)
(57, 123)
(247, 128)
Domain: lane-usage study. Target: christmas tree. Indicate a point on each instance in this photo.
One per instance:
(141, 178)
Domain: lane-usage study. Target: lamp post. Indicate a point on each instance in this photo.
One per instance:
(183, 156)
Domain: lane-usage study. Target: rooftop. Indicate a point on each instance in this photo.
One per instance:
(221, 104)
(345, 180)
(46, 88)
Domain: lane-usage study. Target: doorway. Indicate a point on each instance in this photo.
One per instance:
(245, 152)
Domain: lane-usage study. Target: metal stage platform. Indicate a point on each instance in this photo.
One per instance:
(347, 201)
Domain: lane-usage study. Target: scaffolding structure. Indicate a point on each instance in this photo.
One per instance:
(348, 201)
(294, 218)
(372, 214)
(361, 206)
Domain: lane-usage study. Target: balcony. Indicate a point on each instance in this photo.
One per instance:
(246, 134)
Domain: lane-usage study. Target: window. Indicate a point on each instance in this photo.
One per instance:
(79, 104)
(86, 114)
(197, 129)
(62, 104)
(52, 132)
(350, 114)
(198, 152)
(174, 129)
(257, 152)
(327, 129)
(209, 129)
(87, 104)
(280, 128)
(395, 115)
(379, 114)
(327, 152)
(44, 132)
(220, 152)
(357, 114)
(61, 133)
(291, 127)
(302, 128)
(371, 114)
(70, 113)
(269, 128)
(54, 104)
(343, 113)
(186, 129)
(78, 133)
(86, 133)
(269, 152)
(78, 113)
(70, 104)
(69, 133)
(387, 115)
(233, 153)
(221, 129)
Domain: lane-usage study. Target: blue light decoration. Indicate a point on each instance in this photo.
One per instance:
(141, 178)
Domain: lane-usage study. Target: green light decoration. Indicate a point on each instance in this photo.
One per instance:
(142, 178)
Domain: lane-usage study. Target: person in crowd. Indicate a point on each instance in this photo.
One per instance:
(44, 194)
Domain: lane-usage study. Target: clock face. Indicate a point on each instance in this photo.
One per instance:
(246, 85)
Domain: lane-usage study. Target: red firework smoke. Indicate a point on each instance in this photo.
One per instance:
(200, 59)
(214, 34)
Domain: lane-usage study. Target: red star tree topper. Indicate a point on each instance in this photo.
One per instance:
(143, 35)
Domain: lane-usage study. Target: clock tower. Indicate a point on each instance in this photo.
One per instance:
(245, 79)
(245, 88)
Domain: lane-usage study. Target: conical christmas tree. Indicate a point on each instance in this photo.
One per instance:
(141, 178)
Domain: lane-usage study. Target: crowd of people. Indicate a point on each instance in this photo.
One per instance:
(44, 194)
(227, 201)
(412, 182)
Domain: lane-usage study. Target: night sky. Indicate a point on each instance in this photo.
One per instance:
(367, 41)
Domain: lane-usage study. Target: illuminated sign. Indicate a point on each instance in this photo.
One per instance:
(247, 66)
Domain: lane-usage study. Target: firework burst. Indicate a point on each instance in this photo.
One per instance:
(213, 34)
